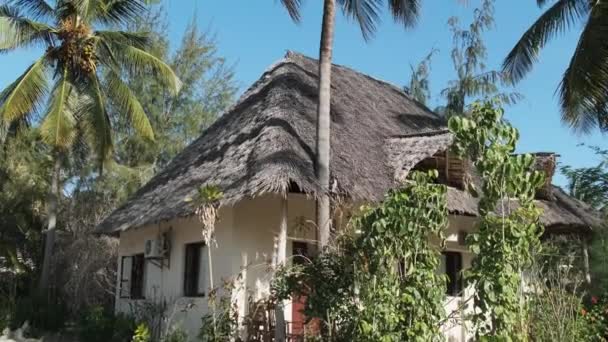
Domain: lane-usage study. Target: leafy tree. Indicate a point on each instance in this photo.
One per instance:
(78, 49)
(583, 88)
(468, 56)
(208, 89)
(590, 184)
(419, 87)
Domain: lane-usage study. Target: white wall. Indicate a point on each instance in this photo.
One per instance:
(246, 242)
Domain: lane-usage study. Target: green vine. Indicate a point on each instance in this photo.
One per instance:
(380, 282)
(508, 230)
(401, 293)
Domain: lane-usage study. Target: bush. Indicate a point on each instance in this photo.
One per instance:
(43, 315)
(100, 325)
(596, 316)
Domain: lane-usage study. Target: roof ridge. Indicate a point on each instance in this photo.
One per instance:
(293, 55)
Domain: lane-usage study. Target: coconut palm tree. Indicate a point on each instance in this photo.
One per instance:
(63, 90)
(583, 89)
(366, 13)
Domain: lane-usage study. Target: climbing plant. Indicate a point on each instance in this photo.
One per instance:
(401, 293)
(380, 282)
(508, 230)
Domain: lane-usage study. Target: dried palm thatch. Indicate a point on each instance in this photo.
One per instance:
(265, 144)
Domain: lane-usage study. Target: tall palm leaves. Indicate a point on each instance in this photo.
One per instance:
(67, 76)
(584, 87)
(366, 14)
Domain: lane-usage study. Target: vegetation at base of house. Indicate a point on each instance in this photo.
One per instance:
(506, 235)
(352, 287)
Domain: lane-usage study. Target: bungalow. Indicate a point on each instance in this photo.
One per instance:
(260, 154)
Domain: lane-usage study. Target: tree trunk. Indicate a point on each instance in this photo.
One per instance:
(280, 327)
(323, 122)
(49, 243)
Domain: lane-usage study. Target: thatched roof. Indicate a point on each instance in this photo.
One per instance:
(561, 214)
(265, 144)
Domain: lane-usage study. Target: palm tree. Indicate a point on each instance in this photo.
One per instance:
(366, 14)
(584, 86)
(78, 50)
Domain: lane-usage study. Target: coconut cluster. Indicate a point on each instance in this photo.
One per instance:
(77, 49)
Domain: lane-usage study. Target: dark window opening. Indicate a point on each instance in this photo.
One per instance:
(451, 265)
(137, 276)
(194, 276)
(300, 253)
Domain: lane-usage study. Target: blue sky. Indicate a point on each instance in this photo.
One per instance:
(255, 34)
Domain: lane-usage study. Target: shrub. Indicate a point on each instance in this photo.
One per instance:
(142, 334)
(43, 315)
(596, 316)
(100, 325)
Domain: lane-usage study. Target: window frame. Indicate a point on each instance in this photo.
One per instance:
(191, 286)
(453, 272)
(137, 289)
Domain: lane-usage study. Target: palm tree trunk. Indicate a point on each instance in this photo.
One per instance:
(49, 243)
(324, 120)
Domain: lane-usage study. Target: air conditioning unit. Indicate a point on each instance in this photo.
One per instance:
(158, 248)
(152, 250)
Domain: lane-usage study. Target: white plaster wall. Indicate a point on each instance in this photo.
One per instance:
(246, 243)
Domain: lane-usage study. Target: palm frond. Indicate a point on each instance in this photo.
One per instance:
(17, 31)
(37, 9)
(293, 8)
(24, 96)
(584, 87)
(140, 62)
(119, 11)
(558, 18)
(97, 126)
(406, 11)
(365, 13)
(128, 104)
(140, 40)
(58, 126)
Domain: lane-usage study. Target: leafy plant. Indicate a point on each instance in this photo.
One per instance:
(379, 281)
(142, 334)
(508, 232)
(100, 325)
(222, 323)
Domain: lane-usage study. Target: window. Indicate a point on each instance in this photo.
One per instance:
(132, 276)
(195, 270)
(451, 266)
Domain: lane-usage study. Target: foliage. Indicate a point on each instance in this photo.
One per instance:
(582, 90)
(208, 88)
(42, 314)
(596, 316)
(419, 87)
(221, 324)
(176, 335)
(99, 324)
(506, 234)
(380, 282)
(468, 56)
(142, 333)
(589, 184)
(554, 295)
